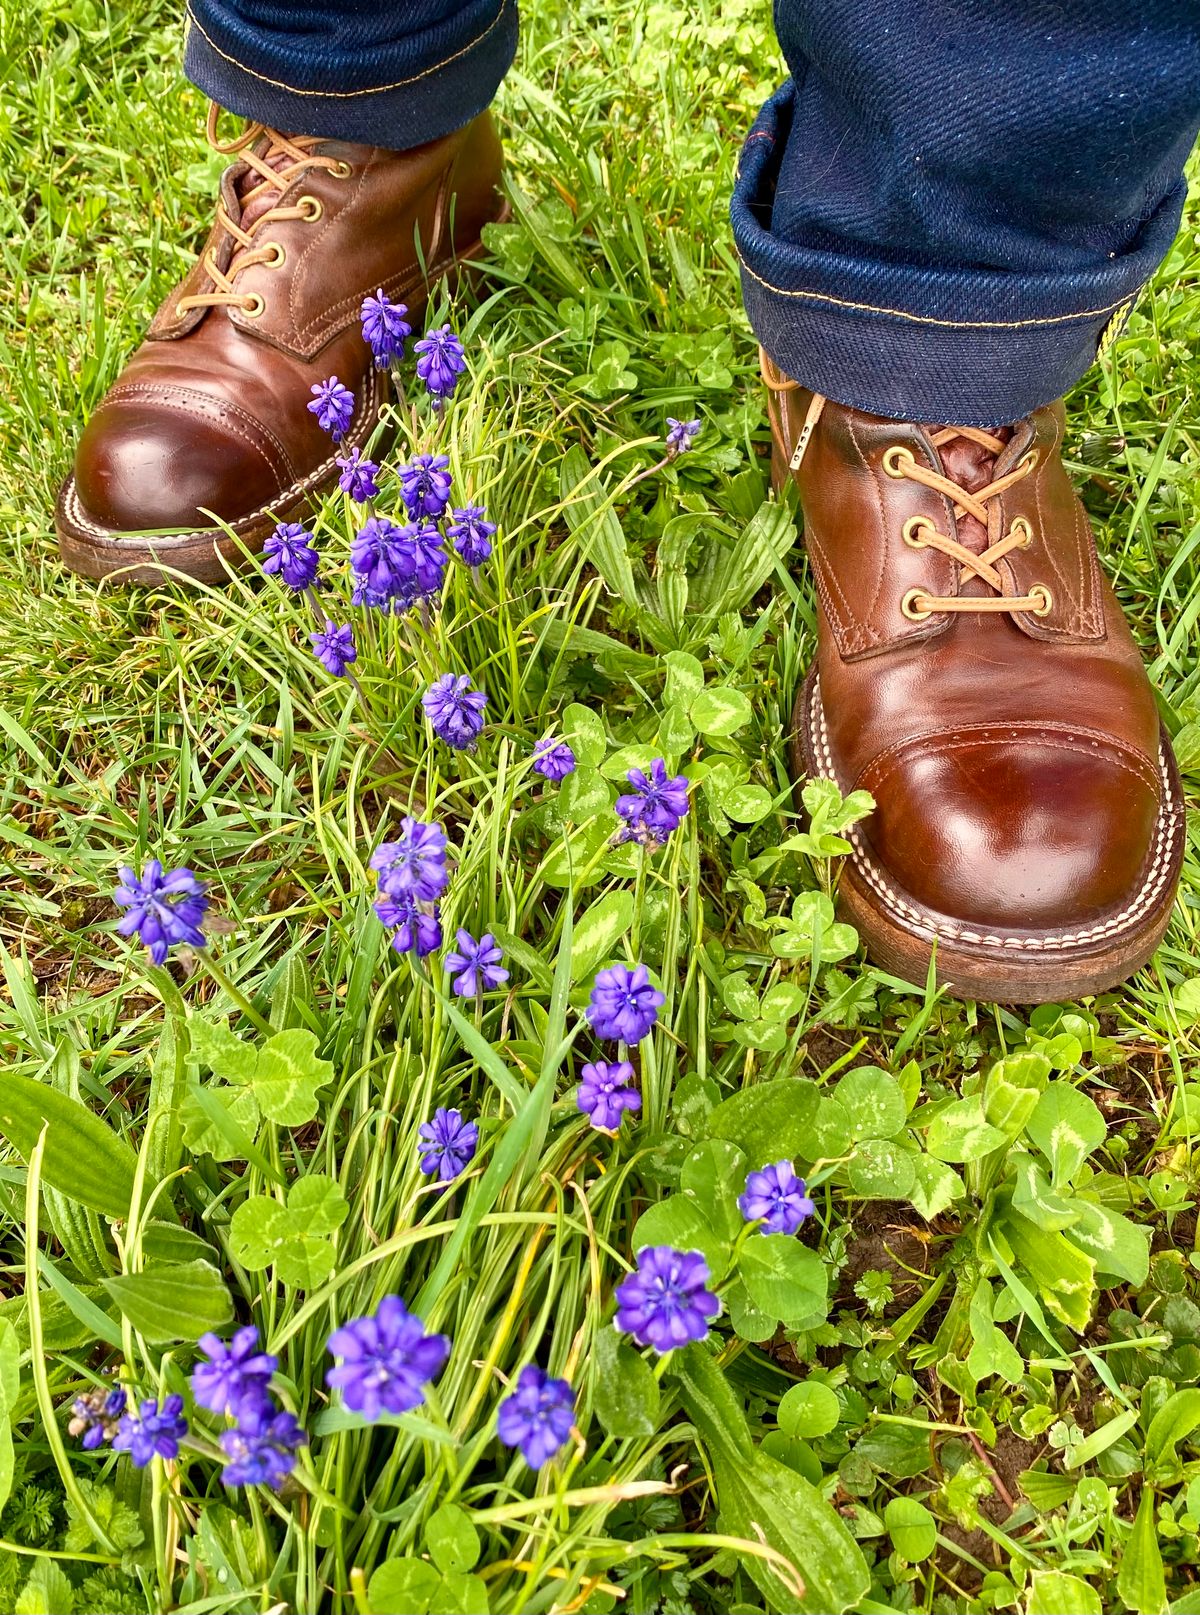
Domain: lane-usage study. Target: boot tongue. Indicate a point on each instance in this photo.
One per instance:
(254, 208)
(972, 466)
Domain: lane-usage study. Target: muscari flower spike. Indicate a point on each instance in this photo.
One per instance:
(334, 648)
(413, 930)
(553, 759)
(333, 405)
(425, 485)
(656, 806)
(96, 1415)
(260, 1449)
(666, 1303)
(440, 362)
(538, 1416)
(680, 435)
(414, 865)
(358, 476)
(166, 908)
(152, 1432)
(233, 1372)
(624, 1004)
(471, 534)
(381, 554)
(777, 1198)
(455, 710)
(384, 328)
(387, 1359)
(289, 551)
(606, 1092)
(475, 966)
(447, 1144)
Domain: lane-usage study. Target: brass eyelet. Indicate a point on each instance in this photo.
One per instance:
(893, 456)
(312, 205)
(910, 608)
(1030, 458)
(1047, 599)
(341, 170)
(278, 257)
(1021, 526)
(912, 530)
(254, 306)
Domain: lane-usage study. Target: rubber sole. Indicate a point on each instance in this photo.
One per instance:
(1001, 966)
(207, 555)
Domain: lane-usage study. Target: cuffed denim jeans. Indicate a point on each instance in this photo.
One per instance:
(944, 212)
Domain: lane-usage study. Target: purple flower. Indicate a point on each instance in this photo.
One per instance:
(95, 1416)
(440, 362)
(679, 436)
(624, 1004)
(382, 555)
(334, 648)
(415, 864)
(471, 534)
(455, 710)
(776, 1197)
(358, 476)
(606, 1091)
(666, 1303)
(333, 405)
(429, 557)
(384, 328)
(538, 1416)
(261, 1448)
(447, 1144)
(657, 805)
(152, 1431)
(166, 908)
(233, 1372)
(425, 485)
(386, 1359)
(476, 964)
(289, 552)
(553, 759)
(413, 929)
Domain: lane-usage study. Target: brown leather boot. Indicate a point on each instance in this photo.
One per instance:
(975, 674)
(209, 417)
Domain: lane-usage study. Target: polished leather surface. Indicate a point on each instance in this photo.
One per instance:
(1014, 760)
(210, 413)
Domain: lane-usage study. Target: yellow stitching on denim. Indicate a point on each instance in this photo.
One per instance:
(928, 319)
(345, 95)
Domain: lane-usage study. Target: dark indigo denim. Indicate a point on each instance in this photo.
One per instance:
(940, 216)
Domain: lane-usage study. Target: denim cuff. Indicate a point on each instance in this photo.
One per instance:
(411, 91)
(962, 345)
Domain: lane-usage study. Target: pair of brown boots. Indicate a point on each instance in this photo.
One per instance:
(974, 671)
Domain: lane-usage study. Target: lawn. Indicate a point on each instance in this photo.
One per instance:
(971, 1381)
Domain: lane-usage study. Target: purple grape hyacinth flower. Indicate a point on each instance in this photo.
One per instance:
(386, 1360)
(657, 805)
(261, 1448)
(413, 930)
(624, 1004)
(538, 1416)
(95, 1416)
(440, 362)
(776, 1197)
(358, 476)
(553, 759)
(455, 710)
(381, 553)
(429, 558)
(233, 1372)
(289, 551)
(447, 1144)
(334, 648)
(476, 965)
(415, 864)
(384, 328)
(471, 534)
(606, 1092)
(679, 436)
(166, 908)
(666, 1302)
(333, 405)
(425, 485)
(152, 1432)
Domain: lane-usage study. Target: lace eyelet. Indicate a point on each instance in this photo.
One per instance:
(893, 457)
(254, 306)
(1047, 599)
(1030, 458)
(341, 170)
(911, 531)
(279, 258)
(910, 608)
(312, 205)
(181, 313)
(1021, 526)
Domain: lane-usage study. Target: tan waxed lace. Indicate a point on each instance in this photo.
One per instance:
(920, 533)
(298, 150)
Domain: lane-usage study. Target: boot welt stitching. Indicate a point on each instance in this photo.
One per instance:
(1155, 880)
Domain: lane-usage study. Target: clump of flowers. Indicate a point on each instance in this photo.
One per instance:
(538, 1416)
(289, 552)
(777, 1198)
(412, 875)
(387, 1360)
(624, 1004)
(606, 1092)
(553, 759)
(152, 1432)
(333, 405)
(165, 908)
(475, 966)
(666, 1303)
(447, 1144)
(455, 710)
(96, 1416)
(655, 807)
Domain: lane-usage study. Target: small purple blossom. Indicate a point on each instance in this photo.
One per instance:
(553, 759)
(95, 1416)
(476, 965)
(624, 1004)
(425, 485)
(384, 328)
(152, 1432)
(233, 1372)
(413, 930)
(471, 534)
(415, 864)
(334, 648)
(165, 908)
(381, 554)
(289, 551)
(679, 436)
(358, 476)
(386, 1360)
(657, 805)
(429, 558)
(538, 1416)
(440, 362)
(455, 710)
(606, 1091)
(666, 1303)
(777, 1198)
(333, 405)
(261, 1448)
(447, 1144)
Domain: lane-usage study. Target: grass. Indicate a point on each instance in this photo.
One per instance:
(912, 1412)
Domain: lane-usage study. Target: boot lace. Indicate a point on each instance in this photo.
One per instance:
(278, 163)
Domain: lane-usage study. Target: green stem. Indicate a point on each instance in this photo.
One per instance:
(213, 969)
